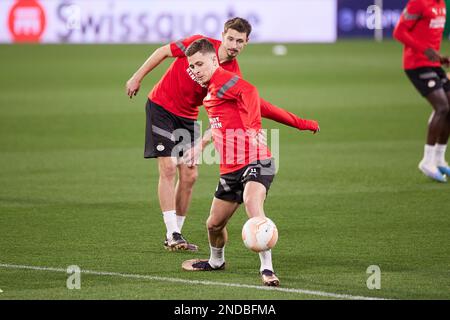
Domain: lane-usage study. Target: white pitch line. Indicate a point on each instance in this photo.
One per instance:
(185, 281)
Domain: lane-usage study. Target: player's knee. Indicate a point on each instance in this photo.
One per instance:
(190, 176)
(442, 110)
(254, 199)
(167, 172)
(214, 226)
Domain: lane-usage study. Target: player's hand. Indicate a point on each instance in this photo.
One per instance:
(191, 156)
(433, 55)
(311, 125)
(132, 87)
(445, 61)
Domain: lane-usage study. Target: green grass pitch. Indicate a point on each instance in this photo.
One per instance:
(75, 189)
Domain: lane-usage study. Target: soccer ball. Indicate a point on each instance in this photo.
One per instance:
(259, 234)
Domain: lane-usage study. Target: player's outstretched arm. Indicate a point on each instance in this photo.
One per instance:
(269, 111)
(158, 56)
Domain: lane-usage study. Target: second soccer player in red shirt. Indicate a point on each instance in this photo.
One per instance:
(420, 29)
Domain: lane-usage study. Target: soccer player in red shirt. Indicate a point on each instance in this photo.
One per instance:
(420, 29)
(246, 165)
(173, 106)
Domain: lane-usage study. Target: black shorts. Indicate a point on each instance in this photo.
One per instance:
(231, 185)
(428, 79)
(166, 134)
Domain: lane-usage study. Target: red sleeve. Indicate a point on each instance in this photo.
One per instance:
(274, 113)
(403, 31)
(179, 47)
(248, 103)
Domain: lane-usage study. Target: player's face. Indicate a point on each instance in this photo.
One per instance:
(234, 42)
(203, 65)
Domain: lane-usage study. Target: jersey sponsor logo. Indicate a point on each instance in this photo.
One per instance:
(26, 21)
(215, 123)
(193, 77)
(439, 11)
(437, 23)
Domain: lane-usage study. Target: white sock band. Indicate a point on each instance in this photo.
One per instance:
(440, 154)
(170, 219)
(180, 222)
(266, 260)
(429, 154)
(217, 257)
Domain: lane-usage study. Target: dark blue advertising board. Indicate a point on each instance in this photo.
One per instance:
(355, 17)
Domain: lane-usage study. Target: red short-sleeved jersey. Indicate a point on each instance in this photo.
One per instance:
(178, 91)
(234, 112)
(421, 26)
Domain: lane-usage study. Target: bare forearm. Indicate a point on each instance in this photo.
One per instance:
(152, 62)
(206, 137)
(134, 83)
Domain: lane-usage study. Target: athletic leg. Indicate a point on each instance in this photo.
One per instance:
(441, 145)
(166, 186)
(437, 128)
(254, 197)
(221, 212)
(438, 123)
(166, 193)
(183, 191)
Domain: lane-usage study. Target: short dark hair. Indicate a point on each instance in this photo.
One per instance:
(238, 24)
(201, 45)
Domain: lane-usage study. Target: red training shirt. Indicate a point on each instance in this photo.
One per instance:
(420, 27)
(178, 91)
(234, 112)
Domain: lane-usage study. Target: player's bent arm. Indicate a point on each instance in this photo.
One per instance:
(269, 111)
(191, 156)
(403, 31)
(158, 56)
(404, 35)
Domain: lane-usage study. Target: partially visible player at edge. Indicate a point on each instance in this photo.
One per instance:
(173, 104)
(246, 169)
(420, 29)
